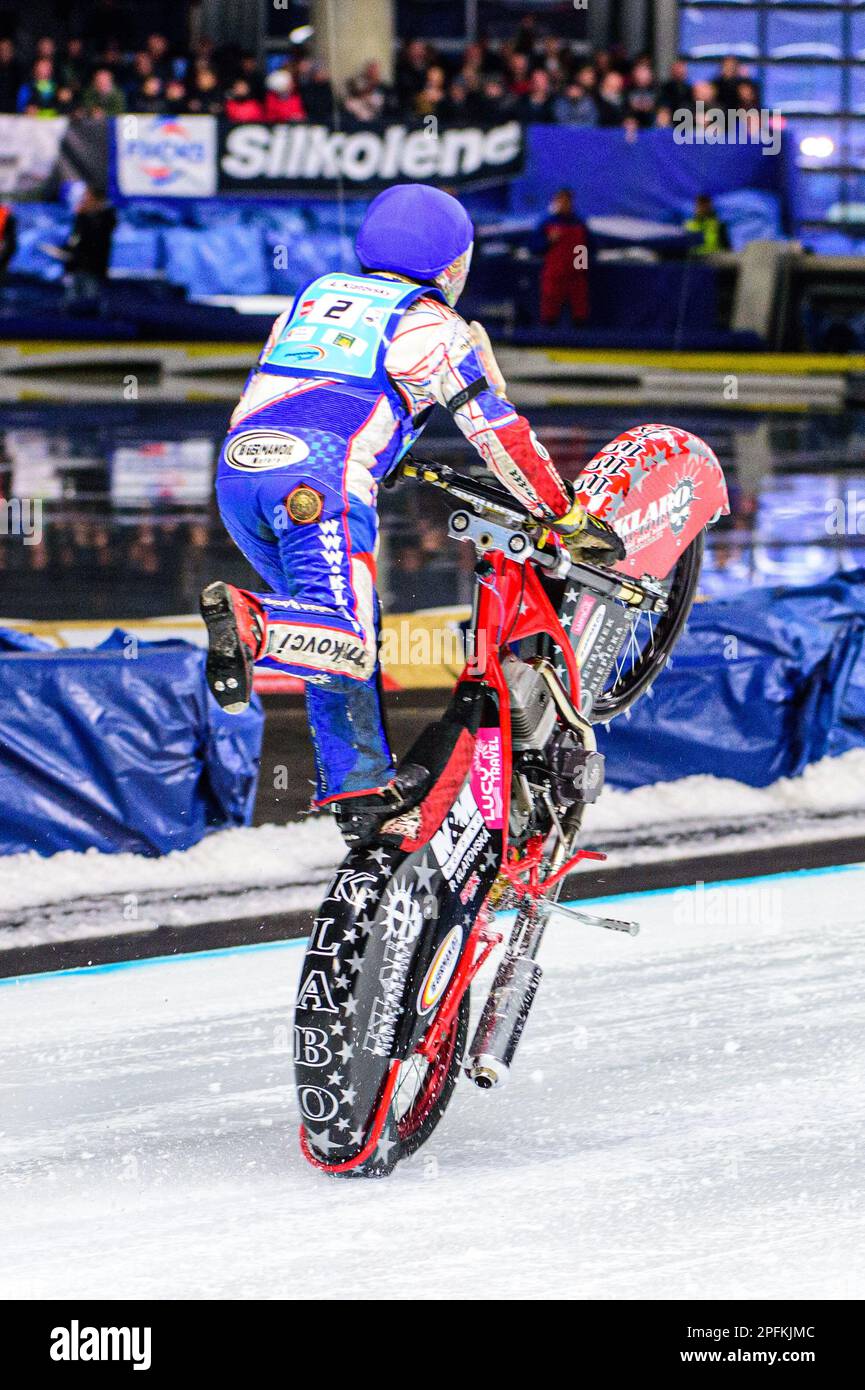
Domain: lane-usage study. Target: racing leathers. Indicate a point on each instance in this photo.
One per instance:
(299, 472)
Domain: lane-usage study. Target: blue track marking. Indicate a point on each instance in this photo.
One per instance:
(583, 903)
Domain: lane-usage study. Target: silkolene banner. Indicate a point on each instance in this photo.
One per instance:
(258, 158)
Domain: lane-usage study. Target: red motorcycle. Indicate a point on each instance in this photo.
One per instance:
(382, 1014)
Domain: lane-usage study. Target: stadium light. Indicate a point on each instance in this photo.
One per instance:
(817, 146)
(301, 34)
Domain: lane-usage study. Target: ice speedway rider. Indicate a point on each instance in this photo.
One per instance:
(342, 389)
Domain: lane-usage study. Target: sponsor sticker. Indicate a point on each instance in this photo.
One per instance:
(438, 977)
(457, 845)
(486, 775)
(255, 451)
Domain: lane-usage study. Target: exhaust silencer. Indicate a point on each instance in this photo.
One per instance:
(502, 1021)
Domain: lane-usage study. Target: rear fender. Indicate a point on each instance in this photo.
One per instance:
(658, 485)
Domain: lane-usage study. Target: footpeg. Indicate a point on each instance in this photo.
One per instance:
(555, 912)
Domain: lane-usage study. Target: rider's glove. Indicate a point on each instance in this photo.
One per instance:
(587, 537)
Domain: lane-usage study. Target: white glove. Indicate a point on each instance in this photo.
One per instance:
(484, 348)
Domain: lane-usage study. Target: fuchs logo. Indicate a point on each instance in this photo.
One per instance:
(255, 451)
(437, 979)
(674, 508)
(313, 154)
(77, 1343)
(161, 154)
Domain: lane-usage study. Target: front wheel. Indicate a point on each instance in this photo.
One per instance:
(651, 638)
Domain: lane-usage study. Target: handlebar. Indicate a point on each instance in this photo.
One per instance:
(487, 498)
(487, 495)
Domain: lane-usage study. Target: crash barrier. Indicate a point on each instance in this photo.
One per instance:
(759, 686)
(117, 748)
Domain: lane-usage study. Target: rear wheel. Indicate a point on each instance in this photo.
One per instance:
(423, 1089)
(651, 639)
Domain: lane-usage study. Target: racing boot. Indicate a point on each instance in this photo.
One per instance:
(235, 631)
(362, 817)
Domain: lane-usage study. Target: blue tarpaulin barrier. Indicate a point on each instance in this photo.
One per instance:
(759, 686)
(98, 750)
(118, 748)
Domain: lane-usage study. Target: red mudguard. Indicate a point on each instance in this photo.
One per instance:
(659, 486)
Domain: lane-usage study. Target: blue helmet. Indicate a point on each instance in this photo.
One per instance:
(420, 232)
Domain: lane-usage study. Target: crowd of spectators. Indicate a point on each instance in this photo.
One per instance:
(532, 77)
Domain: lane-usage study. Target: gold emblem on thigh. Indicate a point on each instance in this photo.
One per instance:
(304, 504)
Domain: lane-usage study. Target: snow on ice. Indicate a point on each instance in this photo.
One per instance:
(684, 1119)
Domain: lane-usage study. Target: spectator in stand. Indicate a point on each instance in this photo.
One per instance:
(537, 106)
(612, 108)
(526, 37)
(282, 100)
(67, 101)
(641, 99)
(748, 97)
(588, 79)
(8, 238)
(74, 68)
(462, 106)
(727, 83)
(575, 106)
(552, 59)
(174, 98)
(365, 99)
(705, 100)
(203, 94)
(10, 77)
(496, 101)
(411, 72)
(46, 47)
(150, 100)
(112, 58)
(103, 97)
(564, 276)
(142, 72)
(471, 73)
(38, 97)
(518, 75)
(158, 48)
(241, 105)
(676, 92)
(317, 95)
(250, 72)
(430, 101)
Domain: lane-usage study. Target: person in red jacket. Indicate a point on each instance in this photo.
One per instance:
(282, 100)
(241, 105)
(564, 276)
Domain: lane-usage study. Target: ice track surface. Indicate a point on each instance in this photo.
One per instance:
(685, 1120)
